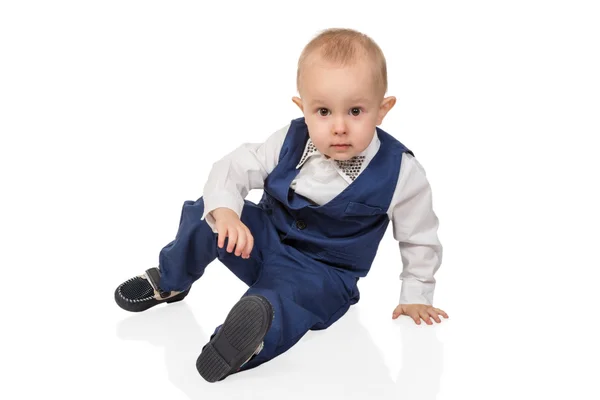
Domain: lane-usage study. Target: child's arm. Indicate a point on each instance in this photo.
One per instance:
(233, 176)
(415, 227)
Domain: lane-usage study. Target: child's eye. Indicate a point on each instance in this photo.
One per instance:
(355, 111)
(321, 112)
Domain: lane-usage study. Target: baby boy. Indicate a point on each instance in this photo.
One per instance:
(332, 181)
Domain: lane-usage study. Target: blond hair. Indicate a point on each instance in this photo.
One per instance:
(345, 47)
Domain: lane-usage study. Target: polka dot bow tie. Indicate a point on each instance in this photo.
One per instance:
(351, 168)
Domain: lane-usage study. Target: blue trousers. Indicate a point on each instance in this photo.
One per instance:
(305, 294)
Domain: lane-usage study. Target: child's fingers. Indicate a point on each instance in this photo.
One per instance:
(250, 244)
(433, 313)
(415, 316)
(425, 317)
(241, 242)
(232, 235)
(222, 234)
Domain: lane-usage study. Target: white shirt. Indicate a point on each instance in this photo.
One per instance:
(320, 179)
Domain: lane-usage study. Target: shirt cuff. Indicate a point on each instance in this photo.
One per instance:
(218, 200)
(415, 292)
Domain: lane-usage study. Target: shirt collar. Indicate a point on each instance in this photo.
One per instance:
(349, 169)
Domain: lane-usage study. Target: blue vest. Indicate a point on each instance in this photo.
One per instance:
(345, 232)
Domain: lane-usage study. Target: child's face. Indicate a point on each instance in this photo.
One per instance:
(341, 106)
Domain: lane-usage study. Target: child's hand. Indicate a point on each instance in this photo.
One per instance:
(228, 225)
(418, 311)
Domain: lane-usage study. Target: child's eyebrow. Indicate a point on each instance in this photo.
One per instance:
(355, 100)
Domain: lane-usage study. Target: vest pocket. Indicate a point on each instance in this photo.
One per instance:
(360, 209)
(337, 258)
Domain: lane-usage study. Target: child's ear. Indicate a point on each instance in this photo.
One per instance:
(384, 108)
(298, 102)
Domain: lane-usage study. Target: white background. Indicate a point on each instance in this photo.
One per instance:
(112, 113)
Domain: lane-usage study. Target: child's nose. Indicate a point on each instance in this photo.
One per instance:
(339, 126)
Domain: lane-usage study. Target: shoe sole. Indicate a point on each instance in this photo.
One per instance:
(138, 306)
(242, 332)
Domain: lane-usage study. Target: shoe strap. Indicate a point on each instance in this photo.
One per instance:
(153, 275)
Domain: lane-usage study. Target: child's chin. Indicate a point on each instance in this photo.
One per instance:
(341, 155)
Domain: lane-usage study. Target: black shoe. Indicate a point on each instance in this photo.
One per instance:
(238, 340)
(142, 292)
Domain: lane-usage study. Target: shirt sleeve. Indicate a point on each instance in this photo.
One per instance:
(415, 227)
(246, 168)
